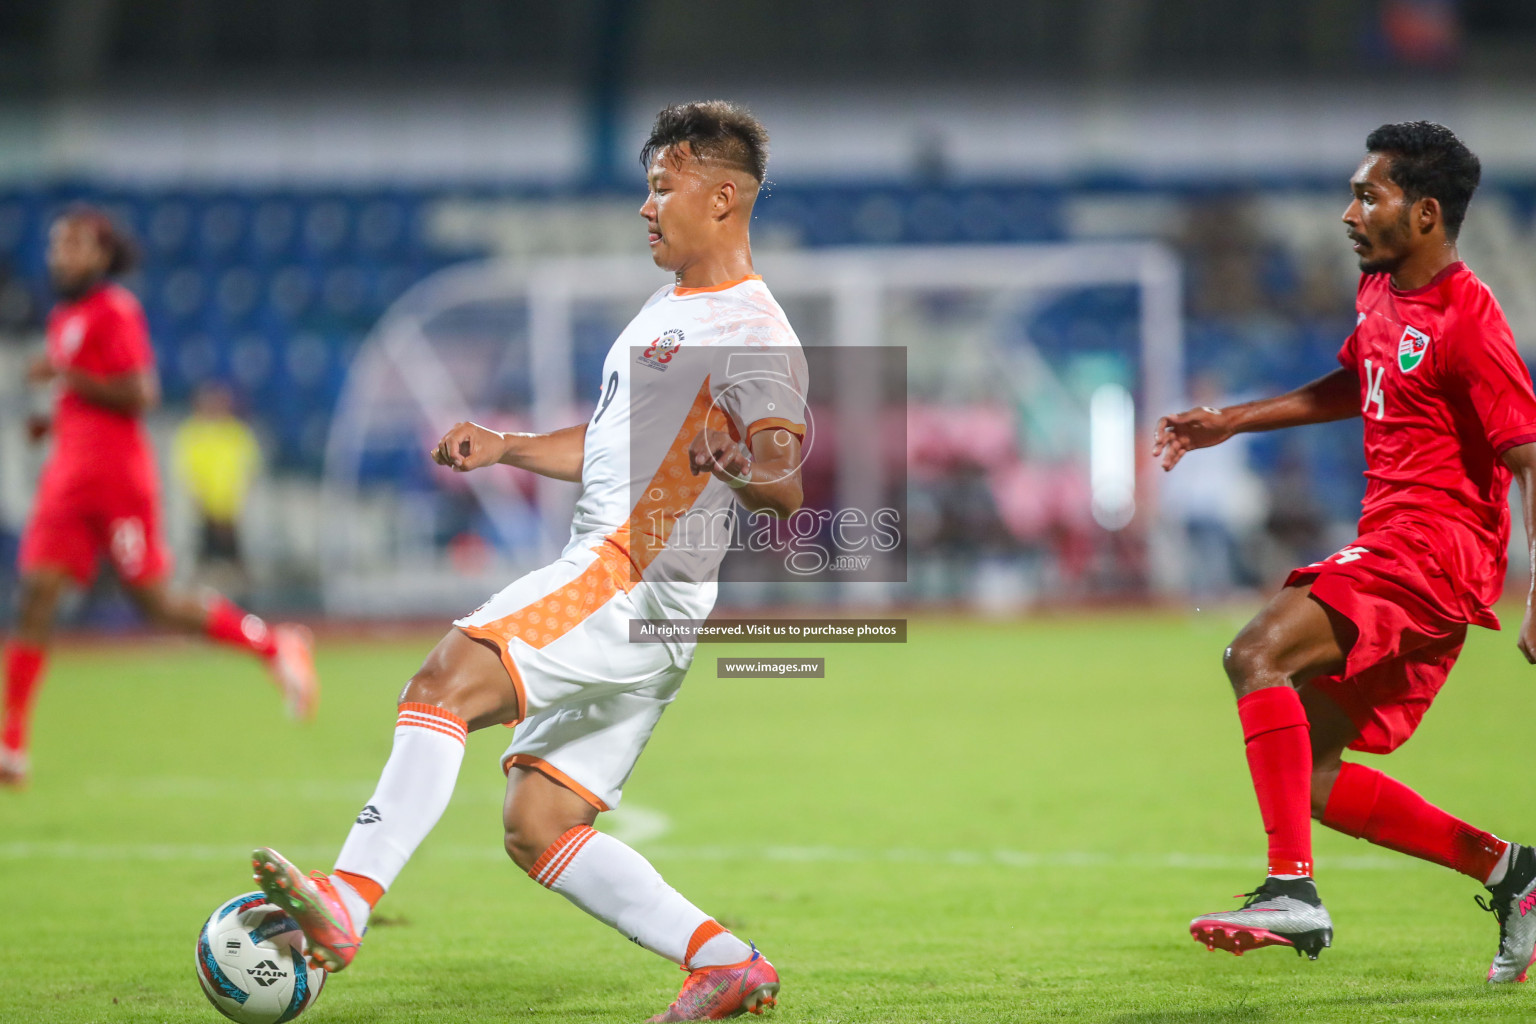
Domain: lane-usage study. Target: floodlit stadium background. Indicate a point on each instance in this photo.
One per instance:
(294, 168)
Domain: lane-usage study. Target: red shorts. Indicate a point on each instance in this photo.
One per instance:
(75, 522)
(1402, 608)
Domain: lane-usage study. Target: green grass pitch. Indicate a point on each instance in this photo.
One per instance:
(993, 822)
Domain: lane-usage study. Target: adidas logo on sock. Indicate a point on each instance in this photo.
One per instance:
(369, 815)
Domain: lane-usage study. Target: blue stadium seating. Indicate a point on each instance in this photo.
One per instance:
(272, 290)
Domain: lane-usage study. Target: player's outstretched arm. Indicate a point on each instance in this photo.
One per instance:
(766, 478)
(41, 369)
(558, 454)
(1334, 397)
(135, 392)
(1521, 460)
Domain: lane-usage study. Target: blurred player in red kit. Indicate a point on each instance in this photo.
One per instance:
(1352, 651)
(99, 493)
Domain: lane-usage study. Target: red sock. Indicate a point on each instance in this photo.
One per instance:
(1368, 805)
(23, 673)
(1279, 742)
(229, 624)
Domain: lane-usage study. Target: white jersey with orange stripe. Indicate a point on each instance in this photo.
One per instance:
(723, 356)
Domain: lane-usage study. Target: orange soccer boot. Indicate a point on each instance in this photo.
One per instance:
(15, 770)
(330, 941)
(293, 670)
(713, 993)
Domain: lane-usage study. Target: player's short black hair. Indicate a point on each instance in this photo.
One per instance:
(122, 251)
(1429, 160)
(715, 130)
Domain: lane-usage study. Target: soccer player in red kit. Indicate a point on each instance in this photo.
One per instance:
(1351, 652)
(99, 493)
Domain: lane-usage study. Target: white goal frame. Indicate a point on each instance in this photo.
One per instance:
(855, 280)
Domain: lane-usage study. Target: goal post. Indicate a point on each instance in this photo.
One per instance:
(513, 344)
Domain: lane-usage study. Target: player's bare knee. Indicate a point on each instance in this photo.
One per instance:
(152, 602)
(1248, 665)
(40, 592)
(532, 826)
(1323, 779)
(1326, 766)
(36, 608)
(429, 685)
(528, 835)
(34, 603)
(521, 845)
(440, 684)
(458, 678)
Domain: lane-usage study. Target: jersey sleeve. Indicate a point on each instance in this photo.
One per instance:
(1349, 353)
(761, 388)
(116, 341)
(1483, 362)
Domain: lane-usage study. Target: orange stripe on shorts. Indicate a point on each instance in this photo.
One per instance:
(626, 552)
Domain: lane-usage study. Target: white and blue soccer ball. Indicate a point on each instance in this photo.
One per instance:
(250, 962)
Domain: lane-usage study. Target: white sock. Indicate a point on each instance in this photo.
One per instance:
(412, 794)
(620, 888)
(1501, 868)
(357, 907)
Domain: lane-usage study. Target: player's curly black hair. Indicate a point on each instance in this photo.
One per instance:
(122, 251)
(1429, 160)
(715, 130)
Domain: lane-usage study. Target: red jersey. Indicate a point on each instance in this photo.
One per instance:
(1444, 394)
(104, 333)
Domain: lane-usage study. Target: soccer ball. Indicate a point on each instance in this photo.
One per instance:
(250, 962)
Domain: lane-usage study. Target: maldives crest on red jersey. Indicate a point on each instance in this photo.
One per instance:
(72, 334)
(1411, 348)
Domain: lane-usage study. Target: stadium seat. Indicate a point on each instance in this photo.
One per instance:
(274, 289)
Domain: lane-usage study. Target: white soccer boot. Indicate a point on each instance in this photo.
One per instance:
(1513, 902)
(1281, 912)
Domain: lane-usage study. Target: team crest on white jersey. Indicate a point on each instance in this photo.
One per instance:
(1411, 348)
(659, 353)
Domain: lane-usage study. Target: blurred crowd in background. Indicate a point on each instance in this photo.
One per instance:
(288, 178)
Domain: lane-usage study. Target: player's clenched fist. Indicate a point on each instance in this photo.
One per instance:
(1186, 431)
(41, 370)
(1527, 641)
(714, 451)
(469, 446)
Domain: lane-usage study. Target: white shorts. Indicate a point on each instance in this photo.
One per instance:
(588, 698)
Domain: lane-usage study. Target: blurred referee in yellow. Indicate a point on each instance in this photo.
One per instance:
(216, 456)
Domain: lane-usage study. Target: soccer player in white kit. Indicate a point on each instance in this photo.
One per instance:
(678, 437)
